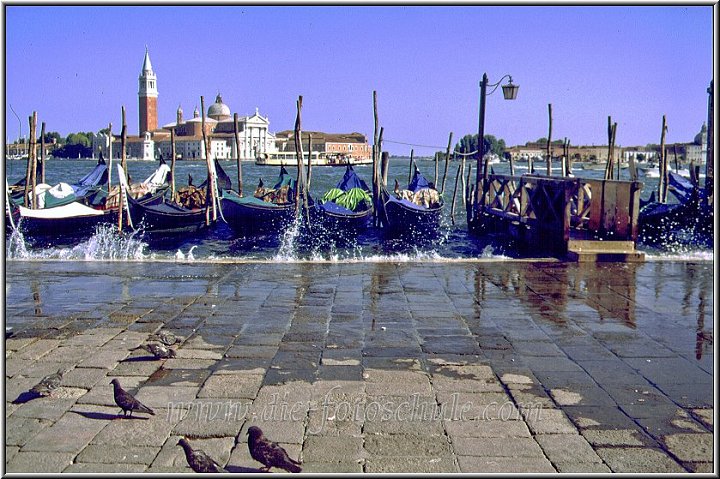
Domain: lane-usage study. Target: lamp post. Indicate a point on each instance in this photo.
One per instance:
(19, 123)
(510, 93)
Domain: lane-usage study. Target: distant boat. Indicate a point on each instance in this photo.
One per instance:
(318, 158)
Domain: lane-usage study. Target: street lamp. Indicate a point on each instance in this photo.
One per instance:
(510, 91)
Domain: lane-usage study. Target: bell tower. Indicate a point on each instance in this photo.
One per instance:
(147, 97)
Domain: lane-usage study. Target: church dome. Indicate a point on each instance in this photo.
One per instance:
(219, 110)
(701, 137)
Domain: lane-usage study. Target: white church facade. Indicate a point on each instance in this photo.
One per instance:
(153, 142)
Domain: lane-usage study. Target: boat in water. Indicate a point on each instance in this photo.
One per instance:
(414, 212)
(268, 210)
(347, 208)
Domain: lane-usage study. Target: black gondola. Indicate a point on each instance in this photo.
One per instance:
(403, 217)
(343, 215)
(251, 214)
(165, 218)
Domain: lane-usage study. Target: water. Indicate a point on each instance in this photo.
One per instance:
(219, 243)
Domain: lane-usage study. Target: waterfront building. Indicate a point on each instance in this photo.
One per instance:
(152, 142)
(353, 145)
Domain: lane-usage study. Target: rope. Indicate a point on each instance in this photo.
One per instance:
(455, 152)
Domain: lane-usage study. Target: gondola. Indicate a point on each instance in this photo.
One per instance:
(64, 193)
(163, 218)
(689, 220)
(403, 217)
(346, 209)
(253, 214)
(79, 218)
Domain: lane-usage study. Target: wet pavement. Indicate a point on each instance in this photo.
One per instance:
(496, 366)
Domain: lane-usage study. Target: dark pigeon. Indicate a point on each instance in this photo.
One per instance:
(126, 401)
(269, 453)
(198, 460)
(168, 338)
(48, 384)
(160, 351)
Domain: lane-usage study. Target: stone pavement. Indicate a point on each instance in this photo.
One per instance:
(495, 366)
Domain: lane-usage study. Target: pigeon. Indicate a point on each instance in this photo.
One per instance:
(48, 384)
(168, 338)
(126, 401)
(160, 351)
(198, 460)
(269, 453)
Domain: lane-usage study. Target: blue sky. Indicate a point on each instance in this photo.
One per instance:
(78, 65)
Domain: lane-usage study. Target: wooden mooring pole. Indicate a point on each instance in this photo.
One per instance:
(710, 158)
(410, 170)
(457, 181)
(447, 162)
(110, 156)
(662, 185)
(33, 175)
(41, 164)
(375, 181)
(172, 163)
(210, 200)
(237, 150)
(548, 148)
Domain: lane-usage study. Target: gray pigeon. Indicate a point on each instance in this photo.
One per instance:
(198, 460)
(126, 401)
(168, 338)
(269, 453)
(160, 351)
(48, 384)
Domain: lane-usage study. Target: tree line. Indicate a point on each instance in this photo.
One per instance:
(70, 146)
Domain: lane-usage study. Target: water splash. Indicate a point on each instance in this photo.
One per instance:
(104, 245)
(287, 250)
(16, 247)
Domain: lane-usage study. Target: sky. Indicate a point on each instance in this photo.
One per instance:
(78, 65)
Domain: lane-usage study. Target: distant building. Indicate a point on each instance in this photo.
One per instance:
(339, 144)
(153, 142)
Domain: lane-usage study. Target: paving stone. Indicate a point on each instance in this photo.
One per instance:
(38, 462)
(97, 468)
(407, 445)
(548, 421)
(44, 408)
(37, 349)
(166, 397)
(70, 433)
(491, 428)
(690, 447)
(135, 368)
(104, 358)
(110, 454)
(615, 437)
(231, 386)
(478, 406)
(582, 467)
(332, 449)
(20, 430)
(636, 459)
(410, 465)
(567, 448)
(477, 464)
(178, 363)
(138, 431)
(338, 467)
(84, 378)
(497, 447)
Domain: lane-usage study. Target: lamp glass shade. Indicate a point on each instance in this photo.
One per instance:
(510, 91)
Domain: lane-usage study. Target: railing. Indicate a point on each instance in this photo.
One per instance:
(561, 207)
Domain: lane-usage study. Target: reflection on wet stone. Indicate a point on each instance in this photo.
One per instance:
(369, 367)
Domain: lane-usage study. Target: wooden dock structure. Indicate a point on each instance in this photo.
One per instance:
(579, 219)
